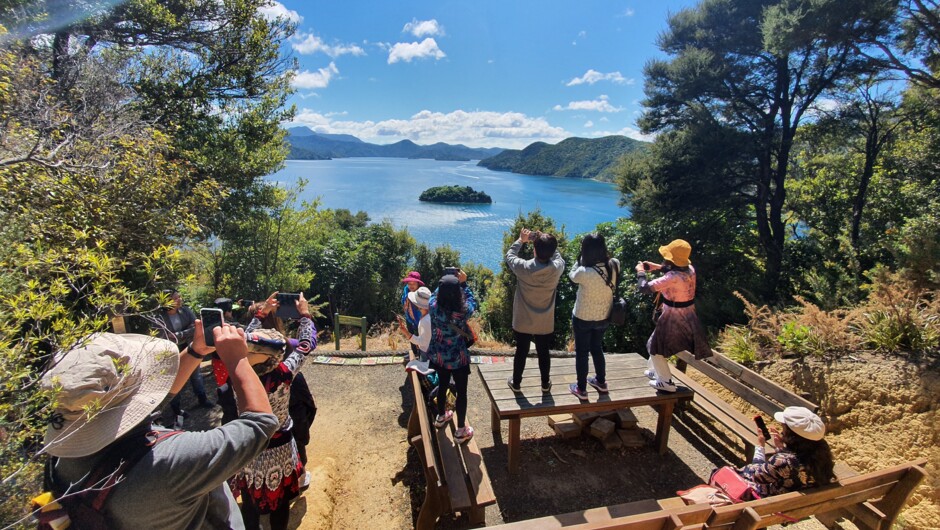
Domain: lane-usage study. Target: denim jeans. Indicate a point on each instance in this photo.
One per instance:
(589, 338)
(199, 388)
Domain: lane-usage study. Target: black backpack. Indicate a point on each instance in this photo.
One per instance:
(83, 506)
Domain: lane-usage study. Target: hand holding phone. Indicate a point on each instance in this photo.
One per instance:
(211, 319)
(451, 271)
(287, 305)
(759, 420)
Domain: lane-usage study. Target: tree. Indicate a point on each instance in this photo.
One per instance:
(758, 67)
(912, 46)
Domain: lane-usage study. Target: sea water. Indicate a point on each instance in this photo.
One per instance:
(388, 188)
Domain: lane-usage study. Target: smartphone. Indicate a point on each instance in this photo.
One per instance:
(759, 420)
(646, 266)
(287, 305)
(211, 319)
(451, 271)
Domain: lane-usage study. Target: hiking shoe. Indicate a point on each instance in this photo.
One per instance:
(514, 388)
(441, 421)
(573, 388)
(602, 389)
(649, 374)
(305, 481)
(463, 435)
(663, 386)
(547, 387)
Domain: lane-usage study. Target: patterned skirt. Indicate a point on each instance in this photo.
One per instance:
(273, 477)
(676, 330)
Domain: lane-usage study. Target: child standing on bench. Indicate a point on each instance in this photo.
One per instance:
(451, 337)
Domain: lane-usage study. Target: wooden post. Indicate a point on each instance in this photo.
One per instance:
(117, 324)
(365, 325)
(336, 329)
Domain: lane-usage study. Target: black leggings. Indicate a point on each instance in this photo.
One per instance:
(461, 377)
(252, 517)
(542, 343)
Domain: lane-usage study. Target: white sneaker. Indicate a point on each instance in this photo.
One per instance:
(649, 374)
(663, 386)
(305, 481)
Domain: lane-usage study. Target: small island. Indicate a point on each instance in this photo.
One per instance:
(463, 194)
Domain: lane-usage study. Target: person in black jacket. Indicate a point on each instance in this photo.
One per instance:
(178, 325)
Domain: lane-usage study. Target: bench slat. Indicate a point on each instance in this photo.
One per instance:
(453, 468)
(638, 514)
(750, 395)
(481, 490)
(752, 378)
(429, 456)
(734, 420)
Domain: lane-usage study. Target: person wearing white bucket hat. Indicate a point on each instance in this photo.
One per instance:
(803, 458)
(108, 388)
(421, 339)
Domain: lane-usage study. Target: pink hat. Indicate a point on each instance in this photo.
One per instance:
(413, 276)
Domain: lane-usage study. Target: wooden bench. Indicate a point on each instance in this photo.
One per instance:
(757, 390)
(457, 480)
(872, 501)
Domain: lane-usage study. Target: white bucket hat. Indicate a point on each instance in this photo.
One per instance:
(105, 386)
(803, 422)
(421, 297)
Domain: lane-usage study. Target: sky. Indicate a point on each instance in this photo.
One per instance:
(481, 73)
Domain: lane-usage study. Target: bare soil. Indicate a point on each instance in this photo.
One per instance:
(881, 412)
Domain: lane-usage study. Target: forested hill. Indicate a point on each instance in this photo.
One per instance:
(573, 157)
(309, 145)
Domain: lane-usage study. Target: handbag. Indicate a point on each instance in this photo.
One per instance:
(618, 307)
(657, 307)
(469, 338)
(732, 484)
(705, 494)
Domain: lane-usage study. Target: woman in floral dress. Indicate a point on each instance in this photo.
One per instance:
(273, 479)
(678, 327)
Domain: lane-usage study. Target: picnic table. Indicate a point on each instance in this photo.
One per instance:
(625, 380)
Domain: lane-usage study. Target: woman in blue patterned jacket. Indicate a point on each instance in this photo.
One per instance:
(451, 305)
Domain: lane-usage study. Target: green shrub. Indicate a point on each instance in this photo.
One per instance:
(737, 342)
(799, 339)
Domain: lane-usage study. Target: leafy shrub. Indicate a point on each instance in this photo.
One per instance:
(798, 339)
(737, 342)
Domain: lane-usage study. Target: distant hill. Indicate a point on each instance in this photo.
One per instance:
(310, 145)
(574, 157)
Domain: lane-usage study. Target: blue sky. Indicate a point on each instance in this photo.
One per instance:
(481, 73)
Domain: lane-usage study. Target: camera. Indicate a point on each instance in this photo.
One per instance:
(452, 271)
(646, 266)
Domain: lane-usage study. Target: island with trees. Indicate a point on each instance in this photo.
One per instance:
(458, 194)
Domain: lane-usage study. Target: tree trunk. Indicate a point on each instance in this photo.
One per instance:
(60, 57)
(858, 205)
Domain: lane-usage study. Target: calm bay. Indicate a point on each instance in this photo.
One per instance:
(388, 188)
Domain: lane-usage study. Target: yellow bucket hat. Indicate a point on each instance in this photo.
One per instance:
(677, 251)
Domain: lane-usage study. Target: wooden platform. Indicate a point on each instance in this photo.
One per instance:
(625, 380)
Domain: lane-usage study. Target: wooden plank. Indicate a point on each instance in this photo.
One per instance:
(559, 368)
(428, 458)
(350, 321)
(867, 515)
(453, 470)
(568, 403)
(750, 377)
(481, 490)
(723, 412)
(640, 510)
(893, 502)
(750, 395)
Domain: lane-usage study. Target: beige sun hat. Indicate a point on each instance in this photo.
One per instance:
(421, 297)
(104, 387)
(803, 422)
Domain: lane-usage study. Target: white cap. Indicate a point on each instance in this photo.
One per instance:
(803, 422)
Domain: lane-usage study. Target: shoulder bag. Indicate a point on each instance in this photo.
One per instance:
(618, 307)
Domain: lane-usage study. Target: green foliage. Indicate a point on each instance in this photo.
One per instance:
(737, 342)
(798, 339)
(900, 316)
(454, 194)
(572, 157)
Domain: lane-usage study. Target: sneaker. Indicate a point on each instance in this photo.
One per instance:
(463, 435)
(422, 367)
(547, 387)
(649, 374)
(513, 387)
(441, 421)
(573, 388)
(602, 389)
(663, 386)
(305, 481)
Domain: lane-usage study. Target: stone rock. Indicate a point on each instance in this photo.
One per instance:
(567, 429)
(602, 428)
(584, 419)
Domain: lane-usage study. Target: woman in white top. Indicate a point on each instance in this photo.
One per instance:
(596, 275)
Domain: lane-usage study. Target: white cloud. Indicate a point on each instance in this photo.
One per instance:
(601, 104)
(629, 132)
(593, 76)
(313, 80)
(473, 128)
(582, 34)
(588, 124)
(407, 51)
(277, 10)
(307, 43)
(604, 119)
(628, 12)
(422, 28)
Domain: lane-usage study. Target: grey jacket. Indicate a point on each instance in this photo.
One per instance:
(533, 306)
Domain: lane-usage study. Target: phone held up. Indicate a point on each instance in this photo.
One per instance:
(646, 266)
(287, 305)
(451, 271)
(759, 420)
(211, 319)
